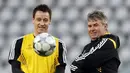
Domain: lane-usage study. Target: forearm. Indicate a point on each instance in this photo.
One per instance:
(16, 70)
(60, 69)
(16, 67)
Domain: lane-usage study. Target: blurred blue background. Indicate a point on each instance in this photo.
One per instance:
(69, 23)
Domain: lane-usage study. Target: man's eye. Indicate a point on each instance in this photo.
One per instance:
(45, 20)
(38, 19)
(89, 25)
(96, 24)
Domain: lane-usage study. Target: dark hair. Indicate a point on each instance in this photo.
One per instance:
(97, 15)
(43, 8)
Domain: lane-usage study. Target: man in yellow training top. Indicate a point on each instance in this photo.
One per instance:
(24, 59)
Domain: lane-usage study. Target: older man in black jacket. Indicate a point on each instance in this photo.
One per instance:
(100, 55)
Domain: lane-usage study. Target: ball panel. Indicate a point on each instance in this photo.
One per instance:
(45, 46)
(49, 52)
(38, 46)
(50, 40)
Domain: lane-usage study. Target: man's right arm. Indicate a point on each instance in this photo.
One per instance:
(14, 54)
(107, 52)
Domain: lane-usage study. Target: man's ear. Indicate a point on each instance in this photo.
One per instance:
(49, 22)
(106, 26)
(33, 20)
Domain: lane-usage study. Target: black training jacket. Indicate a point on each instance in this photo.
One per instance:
(99, 56)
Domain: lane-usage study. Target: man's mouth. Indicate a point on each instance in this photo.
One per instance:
(41, 27)
(93, 33)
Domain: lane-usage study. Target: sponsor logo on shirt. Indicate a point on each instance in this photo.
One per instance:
(73, 68)
(85, 54)
(92, 50)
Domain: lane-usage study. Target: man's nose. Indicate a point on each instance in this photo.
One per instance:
(42, 23)
(92, 28)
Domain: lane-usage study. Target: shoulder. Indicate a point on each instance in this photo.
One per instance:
(17, 42)
(19, 38)
(114, 39)
(110, 43)
(62, 44)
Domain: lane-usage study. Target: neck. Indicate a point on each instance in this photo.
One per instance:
(35, 33)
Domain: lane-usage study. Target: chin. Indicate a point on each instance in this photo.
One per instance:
(42, 31)
(94, 37)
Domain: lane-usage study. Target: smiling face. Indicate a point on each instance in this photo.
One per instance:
(96, 28)
(41, 21)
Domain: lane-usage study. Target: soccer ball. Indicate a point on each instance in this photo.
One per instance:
(44, 44)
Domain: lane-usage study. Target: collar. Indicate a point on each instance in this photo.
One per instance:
(105, 35)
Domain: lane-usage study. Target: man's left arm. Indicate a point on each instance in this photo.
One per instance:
(105, 53)
(61, 58)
